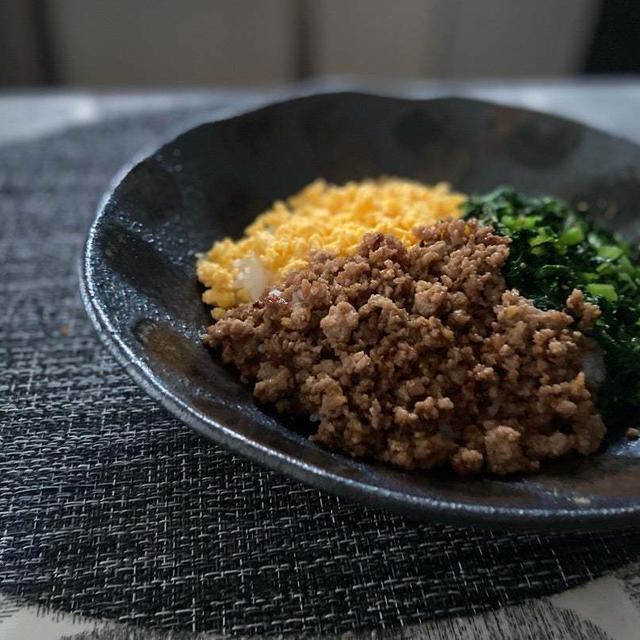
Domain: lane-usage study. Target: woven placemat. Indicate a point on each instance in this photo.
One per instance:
(110, 507)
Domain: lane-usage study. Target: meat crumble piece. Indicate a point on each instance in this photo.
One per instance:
(419, 356)
(586, 312)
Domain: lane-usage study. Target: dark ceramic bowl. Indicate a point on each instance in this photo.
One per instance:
(141, 292)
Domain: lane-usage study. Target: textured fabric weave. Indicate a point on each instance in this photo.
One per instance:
(110, 507)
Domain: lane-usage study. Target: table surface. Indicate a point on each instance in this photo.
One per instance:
(608, 607)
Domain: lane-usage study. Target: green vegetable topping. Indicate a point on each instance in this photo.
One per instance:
(610, 252)
(571, 236)
(555, 250)
(605, 291)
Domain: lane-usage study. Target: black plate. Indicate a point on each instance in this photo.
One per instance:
(140, 289)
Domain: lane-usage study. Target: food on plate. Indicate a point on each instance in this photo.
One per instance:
(321, 216)
(409, 335)
(554, 250)
(418, 356)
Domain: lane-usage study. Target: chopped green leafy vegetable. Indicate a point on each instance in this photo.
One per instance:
(604, 290)
(571, 236)
(610, 252)
(554, 250)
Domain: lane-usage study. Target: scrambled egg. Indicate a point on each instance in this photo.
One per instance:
(321, 216)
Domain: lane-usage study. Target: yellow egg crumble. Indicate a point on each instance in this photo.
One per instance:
(321, 216)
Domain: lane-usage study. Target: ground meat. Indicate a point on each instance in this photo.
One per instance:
(586, 312)
(419, 356)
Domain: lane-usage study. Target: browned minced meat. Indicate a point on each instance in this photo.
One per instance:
(420, 357)
(586, 312)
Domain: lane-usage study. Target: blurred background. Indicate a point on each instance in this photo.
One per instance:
(125, 43)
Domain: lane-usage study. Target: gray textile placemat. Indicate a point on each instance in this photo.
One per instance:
(110, 507)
